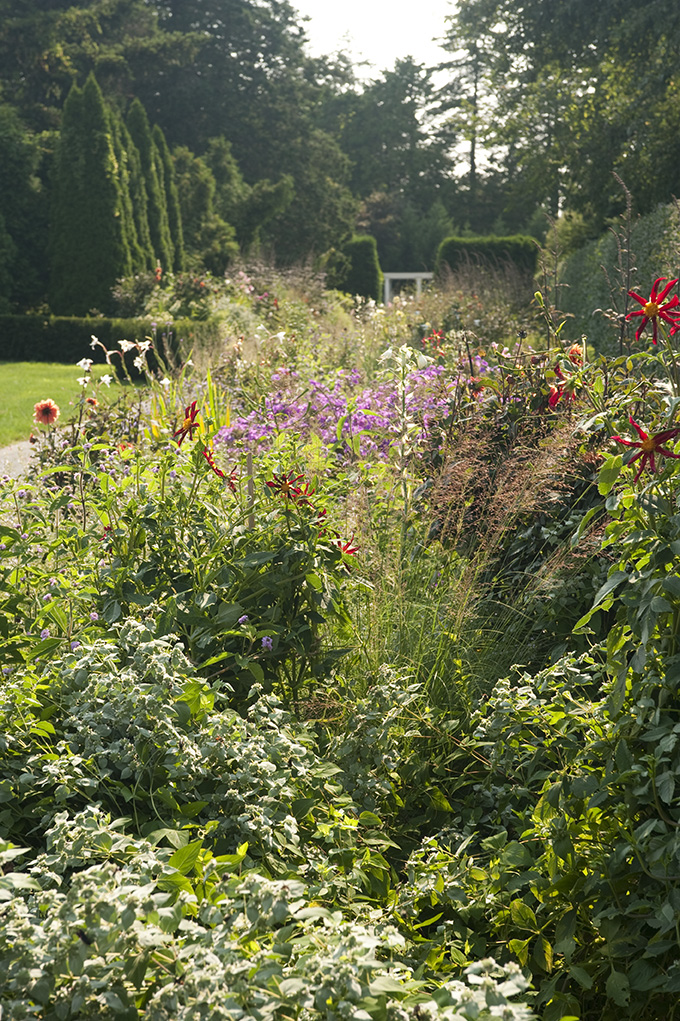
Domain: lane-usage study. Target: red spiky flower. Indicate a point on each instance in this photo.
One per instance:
(229, 479)
(654, 308)
(188, 425)
(649, 446)
(287, 485)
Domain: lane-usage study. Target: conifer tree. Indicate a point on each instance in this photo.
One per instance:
(138, 199)
(88, 246)
(140, 132)
(171, 198)
(138, 257)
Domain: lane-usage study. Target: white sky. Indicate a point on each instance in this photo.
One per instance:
(379, 31)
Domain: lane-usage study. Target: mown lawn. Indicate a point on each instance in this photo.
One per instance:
(22, 384)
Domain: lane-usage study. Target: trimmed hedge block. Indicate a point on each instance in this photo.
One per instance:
(519, 249)
(68, 339)
(363, 275)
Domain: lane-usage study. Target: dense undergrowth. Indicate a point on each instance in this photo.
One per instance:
(340, 679)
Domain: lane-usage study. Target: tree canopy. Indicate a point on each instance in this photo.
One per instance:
(535, 108)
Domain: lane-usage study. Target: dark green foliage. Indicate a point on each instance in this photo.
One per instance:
(8, 251)
(322, 213)
(207, 237)
(23, 209)
(362, 274)
(127, 162)
(589, 278)
(138, 198)
(171, 199)
(88, 240)
(517, 249)
(236, 202)
(66, 340)
(159, 224)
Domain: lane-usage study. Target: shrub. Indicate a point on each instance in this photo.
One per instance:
(518, 249)
(362, 274)
(68, 339)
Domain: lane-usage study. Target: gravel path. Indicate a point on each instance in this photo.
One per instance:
(14, 459)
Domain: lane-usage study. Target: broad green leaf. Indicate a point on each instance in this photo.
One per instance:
(609, 473)
(618, 988)
(184, 858)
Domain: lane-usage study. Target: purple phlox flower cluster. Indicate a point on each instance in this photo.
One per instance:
(373, 413)
(267, 643)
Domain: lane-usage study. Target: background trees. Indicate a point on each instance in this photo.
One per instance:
(536, 106)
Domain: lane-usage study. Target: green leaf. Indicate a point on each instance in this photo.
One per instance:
(581, 976)
(186, 857)
(618, 988)
(612, 582)
(609, 473)
(671, 584)
(520, 948)
(585, 521)
(543, 954)
(523, 916)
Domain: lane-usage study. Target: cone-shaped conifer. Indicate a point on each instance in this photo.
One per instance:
(88, 246)
(138, 126)
(171, 198)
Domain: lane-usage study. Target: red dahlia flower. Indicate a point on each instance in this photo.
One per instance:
(649, 446)
(188, 425)
(229, 479)
(45, 412)
(653, 309)
(287, 485)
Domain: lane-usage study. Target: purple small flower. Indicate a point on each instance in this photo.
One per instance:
(45, 633)
(243, 619)
(52, 583)
(7, 670)
(46, 598)
(267, 643)
(24, 535)
(3, 545)
(74, 646)
(94, 615)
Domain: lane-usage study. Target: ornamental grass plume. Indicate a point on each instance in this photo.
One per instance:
(45, 412)
(648, 446)
(653, 309)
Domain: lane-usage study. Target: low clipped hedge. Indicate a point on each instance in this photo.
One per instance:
(66, 340)
(518, 249)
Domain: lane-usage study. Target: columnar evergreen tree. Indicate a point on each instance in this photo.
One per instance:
(171, 198)
(23, 212)
(159, 225)
(138, 198)
(122, 146)
(88, 243)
